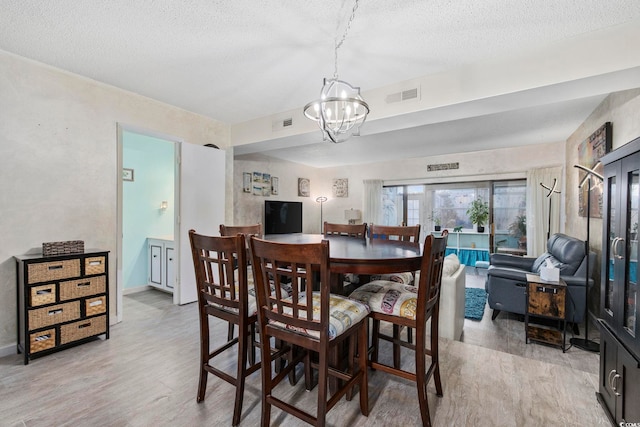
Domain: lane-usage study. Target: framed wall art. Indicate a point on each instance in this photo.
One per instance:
(589, 153)
(274, 185)
(246, 182)
(127, 174)
(340, 187)
(304, 186)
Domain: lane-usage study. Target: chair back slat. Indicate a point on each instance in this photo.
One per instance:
(298, 268)
(247, 230)
(410, 233)
(350, 230)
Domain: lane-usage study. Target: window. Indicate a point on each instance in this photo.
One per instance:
(447, 205)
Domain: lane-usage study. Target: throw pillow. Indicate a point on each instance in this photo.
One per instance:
(450, 265)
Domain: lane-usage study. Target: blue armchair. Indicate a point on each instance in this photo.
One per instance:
(506, 278)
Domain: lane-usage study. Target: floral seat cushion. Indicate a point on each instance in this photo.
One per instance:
(253, 304)
(387, 297)
(405, 278)
(343, 314)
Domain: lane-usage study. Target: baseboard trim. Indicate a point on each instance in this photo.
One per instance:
(8, 350)
(135, 290)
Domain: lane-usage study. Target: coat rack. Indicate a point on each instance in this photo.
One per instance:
(552, 190)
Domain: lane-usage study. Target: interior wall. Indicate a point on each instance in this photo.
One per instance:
(58, 163)
(152, 160)
(622, 109)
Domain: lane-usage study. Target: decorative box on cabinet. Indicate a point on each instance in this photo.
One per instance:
(62, 301)
(161, 263)
(620, 295)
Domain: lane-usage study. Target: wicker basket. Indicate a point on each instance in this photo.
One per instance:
(56, 270)
(42, 340)
(94, 265)
(41, 295)
(83, 329)
(82, 287)
(63, 248)
(47, 316)
(97, 305)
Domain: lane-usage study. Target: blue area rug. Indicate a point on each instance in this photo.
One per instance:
(474, 302)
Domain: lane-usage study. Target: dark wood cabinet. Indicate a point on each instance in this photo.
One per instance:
(620, 295)
(62, 301)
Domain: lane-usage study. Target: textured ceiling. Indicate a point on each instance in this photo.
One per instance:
(237, 60)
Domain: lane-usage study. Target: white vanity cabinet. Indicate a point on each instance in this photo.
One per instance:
(161, 272)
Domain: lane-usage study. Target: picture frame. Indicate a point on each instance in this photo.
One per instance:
(246, 182)
(127, 174)
(274, 185)
(304, 187)
(340, 187)
(589, 153)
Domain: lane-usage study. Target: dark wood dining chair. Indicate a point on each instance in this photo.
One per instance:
(247, 231)
(410, 233)
(406, 233)
(216, 261)
(312, 322)
(348, 281)
(412, 307)
(350, 230)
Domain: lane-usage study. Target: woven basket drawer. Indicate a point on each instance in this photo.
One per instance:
(47, 316)
(94, 265)
(96, 305)
(83, 329)
(49, 271)
(82, 287)
(42, 340)
(41, 295)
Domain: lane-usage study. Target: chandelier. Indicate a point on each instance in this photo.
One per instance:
(340, 110)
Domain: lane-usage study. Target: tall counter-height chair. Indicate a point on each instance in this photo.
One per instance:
(215, 260)
(357, 231)
(412, 307)
(405, 233)
(313, 321)
(247, 231)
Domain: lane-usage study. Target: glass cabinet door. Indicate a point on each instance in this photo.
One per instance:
(611, 200)
(630, 302)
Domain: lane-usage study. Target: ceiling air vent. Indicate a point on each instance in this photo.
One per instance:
(405, 95)
(281, 124)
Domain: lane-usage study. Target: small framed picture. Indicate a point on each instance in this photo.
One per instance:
(304, 186)
(274, 185)
(127, 174)
(246, 182)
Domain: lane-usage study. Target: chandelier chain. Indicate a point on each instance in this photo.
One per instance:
(344, 36)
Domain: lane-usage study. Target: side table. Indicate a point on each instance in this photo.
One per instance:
(546, 300)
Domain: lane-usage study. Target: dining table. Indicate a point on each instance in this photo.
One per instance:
(362, 256)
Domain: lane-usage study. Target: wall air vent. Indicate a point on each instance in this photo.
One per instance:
(405, 95)
(281, 124)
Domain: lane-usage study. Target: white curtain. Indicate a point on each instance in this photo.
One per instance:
(538, 208)
(372, 201)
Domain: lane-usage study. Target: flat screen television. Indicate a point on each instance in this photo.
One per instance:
(282, 217)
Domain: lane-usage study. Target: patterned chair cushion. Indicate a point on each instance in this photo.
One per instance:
(253, 304)
(404, 278)
(384, 296)
(343, 314)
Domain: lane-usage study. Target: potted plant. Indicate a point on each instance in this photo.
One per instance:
(518, 229)
(437, 222)
(479, 213)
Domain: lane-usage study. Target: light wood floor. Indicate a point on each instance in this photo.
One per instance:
(146, 375)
